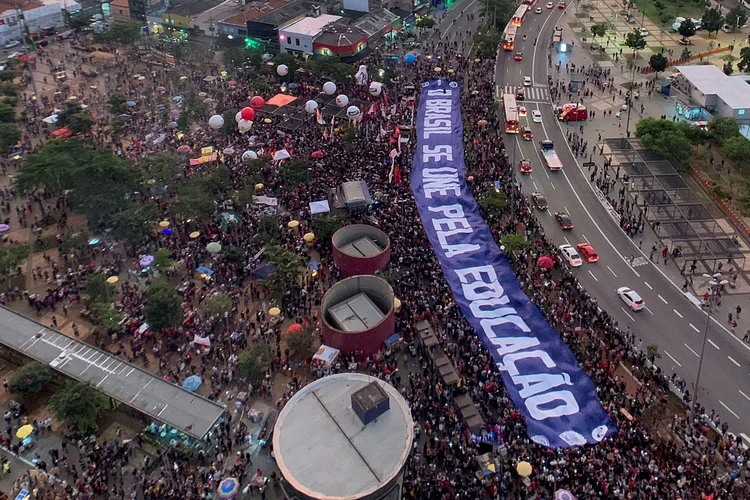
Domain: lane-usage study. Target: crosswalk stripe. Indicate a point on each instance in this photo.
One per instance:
(531, 93)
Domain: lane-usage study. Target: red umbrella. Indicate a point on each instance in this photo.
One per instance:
(317, 154)
(232, 83)
(294, 328)
(184, 149)
(546, 262)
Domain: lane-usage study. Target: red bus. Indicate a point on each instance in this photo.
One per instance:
(529, 4)
(509, 40)
(511, 113)
(517, 18)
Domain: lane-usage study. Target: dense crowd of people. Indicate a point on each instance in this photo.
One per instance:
(634, 463)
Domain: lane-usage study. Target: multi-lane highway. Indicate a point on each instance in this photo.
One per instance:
(671, 321)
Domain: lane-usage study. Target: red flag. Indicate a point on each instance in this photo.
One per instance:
(385, 98)
(397, 174)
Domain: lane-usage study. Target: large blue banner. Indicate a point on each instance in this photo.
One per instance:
(540, 373)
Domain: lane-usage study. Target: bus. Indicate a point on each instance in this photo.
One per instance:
(509, 40)
(517, 18)
(511, 114)
(529, 4)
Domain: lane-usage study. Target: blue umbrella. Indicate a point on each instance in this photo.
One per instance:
(228, 488)
(132, 104)
(293, 85)
(192, 382)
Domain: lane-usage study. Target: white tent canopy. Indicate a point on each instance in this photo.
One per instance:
(319, 207)
(327, 354)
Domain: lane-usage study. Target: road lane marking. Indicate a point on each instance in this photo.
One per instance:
(566, 210)
(650, 311)
(535, 188)
(678, 313)
(626, 312)
(584, 238)
(649, 286)
(694, 327)
(733, 360)
(745, 395)
(566, 240)
(549, 213)
(663, 299)
(691, 350)
(729, 409)
(713, 344)
(553, 185)
(592, 275)
(672, 358)
(611, 271)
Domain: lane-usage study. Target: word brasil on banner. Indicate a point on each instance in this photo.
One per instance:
(540, 373)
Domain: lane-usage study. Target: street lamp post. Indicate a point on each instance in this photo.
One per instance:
(715, 282)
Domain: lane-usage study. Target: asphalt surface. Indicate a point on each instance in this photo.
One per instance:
(671, 321)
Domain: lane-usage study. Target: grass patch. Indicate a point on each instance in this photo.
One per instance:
(575, 25)
(582, 15)
(663, 12)
(600, 57)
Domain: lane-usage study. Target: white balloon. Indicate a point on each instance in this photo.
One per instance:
(342, 100)
(216, 122)
(329, 88)
(311, 106)
(352, 111)
(238, 116)
(376, 88)
(244, 125)
(249, 155)
(282, 69)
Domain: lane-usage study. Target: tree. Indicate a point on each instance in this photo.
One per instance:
(290, 61)
(287, 270)
(723, 128)
(269, 231)
(97, 288)
(218, 305)
(652, 351)
(666, 138)
(254, 361)
(744, 64)
(737, 150)
(598, 30)
(71, 108)
(78, 20)
(7, 113)
(300, 341)
(330, 67)
(118, 105)
(80, 123)
(425, 23)
(327, 224)
(736, 17)
(11, 257)
(163, 307)
(194, 202)
(712, 20)
(513, 242)
(658, 63)
(635, 41)
(134, 223)
(728, 69)
(121, 33)
(79, 405)
(498, 12)
(109, 317)
(9, 136)
(294, 172)
(162, 259)
(30, 378)
(161, 169)
(242, 59)
(493, 202)
(686, 29)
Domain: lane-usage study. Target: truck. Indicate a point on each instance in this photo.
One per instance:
(571, 112)
(550, 156)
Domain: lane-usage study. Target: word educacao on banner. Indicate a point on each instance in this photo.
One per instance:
(540, 373)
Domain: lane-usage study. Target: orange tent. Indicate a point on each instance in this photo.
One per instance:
(62, 132)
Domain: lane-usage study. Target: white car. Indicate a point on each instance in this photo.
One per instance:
(550, 5)
(12, 43)
(536, 116)
(631, 298)
(527, 81)
(642, 31)
(571, 255)
(538, 10)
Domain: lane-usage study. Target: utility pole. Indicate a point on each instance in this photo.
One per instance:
(715, 282)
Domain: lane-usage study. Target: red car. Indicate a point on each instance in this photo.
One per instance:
(518, 56)
(525, 166)
(587, 252)
(561, 5)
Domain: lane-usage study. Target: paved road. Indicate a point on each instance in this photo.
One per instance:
(671, 321)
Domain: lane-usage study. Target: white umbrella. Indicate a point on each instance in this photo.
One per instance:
(281, 154)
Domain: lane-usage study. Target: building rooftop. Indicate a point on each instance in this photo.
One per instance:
(318, 426)
(6, 6)
(311, 26)
(151, 395)
(252, 11)
(341, 35)
(120, 3)
(710, 80)
(356, 314)
(290, 12)
(376, 21)
(190, 8)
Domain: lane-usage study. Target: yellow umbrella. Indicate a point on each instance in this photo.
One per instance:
(164, 223)
(274, 312)
(438, 69)
(309, 237)
(259, 186)
(523, 469)
(267, 120)
(292, 224)
(112, 280)
(194, 234)
(24, 431)
(183, 78)
(396, 303)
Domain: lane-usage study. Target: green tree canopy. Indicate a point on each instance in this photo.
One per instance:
(737, 149)
(330, 67)
(134, 223)
(294, 172)
(666, 138)
(7, 113)
(425, 22)
(744, 63)
(686, 29)
(242, 59)
(30, 378)
(80, 123)
(635, 40)
(97, 288)
(712, 20)
(79, 405)
(658, 63)
(11, 256)
(287, 270)
(161, 169)
(254, 361)
(300, 341)
(736, 17)
(723, 128)
(194, 202)
(269, 231)
(162, 259)
(163, 307)
(493, 202)
(122, 33)
(117, 104)
(71, 108)
(513, 242)
(598, 30)
(9, 136)
(217, 304)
